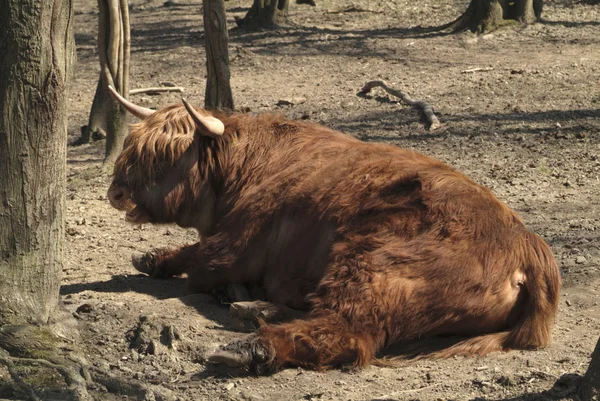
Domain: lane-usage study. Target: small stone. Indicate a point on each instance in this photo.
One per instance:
(85, 308)
(505, 381)
(290, 102)
(229, 386)
(72, 231)
(580, 260)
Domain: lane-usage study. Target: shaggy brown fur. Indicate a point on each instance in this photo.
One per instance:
(381, 245)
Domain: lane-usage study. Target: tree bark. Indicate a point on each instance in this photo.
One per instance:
(218, 90)
(265, 14)
(37, 48)
(487, 15)
(107, 116)
(590, 386)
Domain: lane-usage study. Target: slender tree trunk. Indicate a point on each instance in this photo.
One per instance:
(265, 14)
(107, 117)
(37, 48)
(486, 15)
(590, 386)
(218, 90)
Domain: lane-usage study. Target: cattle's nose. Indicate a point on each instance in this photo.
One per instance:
(116, 196)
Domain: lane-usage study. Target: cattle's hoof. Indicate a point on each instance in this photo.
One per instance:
(249, 354)
(256, 310)
(141, 261)
(146, 263)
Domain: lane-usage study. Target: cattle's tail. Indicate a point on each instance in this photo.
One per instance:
(533, 328)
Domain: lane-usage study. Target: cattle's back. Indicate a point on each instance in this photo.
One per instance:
(309, 169)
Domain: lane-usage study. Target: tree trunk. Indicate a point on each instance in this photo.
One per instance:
(590, 386)
(265, 14)
(107, 117)
(218, 91)
(486, 15)
(37, 48)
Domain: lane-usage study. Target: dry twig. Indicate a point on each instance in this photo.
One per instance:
(412, 390)
(157, 89)
(424, 107)
(477, 69)
(351, 9)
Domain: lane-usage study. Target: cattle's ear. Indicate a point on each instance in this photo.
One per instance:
(138, 111)
(205, 125)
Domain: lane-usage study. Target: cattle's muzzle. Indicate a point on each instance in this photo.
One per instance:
(119, 197)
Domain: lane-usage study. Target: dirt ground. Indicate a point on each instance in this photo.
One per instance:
(527, 125)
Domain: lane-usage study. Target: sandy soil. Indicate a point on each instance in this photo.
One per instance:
(528, 126)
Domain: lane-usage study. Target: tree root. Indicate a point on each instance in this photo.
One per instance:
(77, 385)
(117, 385)
(590, 385)
(7, 361)
(424, 107)
(486, 16)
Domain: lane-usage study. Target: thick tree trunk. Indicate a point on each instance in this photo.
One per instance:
(36, 336)
(265, 14)
(218, 90)
(37, 48)
(107, 117)
(590, 386)
(486, 15)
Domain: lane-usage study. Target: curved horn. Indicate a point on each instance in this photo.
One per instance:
(138, 111)
(206, 125)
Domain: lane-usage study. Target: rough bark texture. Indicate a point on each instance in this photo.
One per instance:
(218, 90)
(486, 15)
(107, 117)
(265, 14)
(590, 386)
(37, 48)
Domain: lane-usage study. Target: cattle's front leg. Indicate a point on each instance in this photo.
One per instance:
(164, 262)
(220, 263)
(315, 343)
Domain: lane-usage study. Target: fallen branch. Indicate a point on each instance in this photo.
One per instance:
(424, 107)
(157, 89)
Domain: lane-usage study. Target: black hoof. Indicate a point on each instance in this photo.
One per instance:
(249, 354)
(146, 263)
